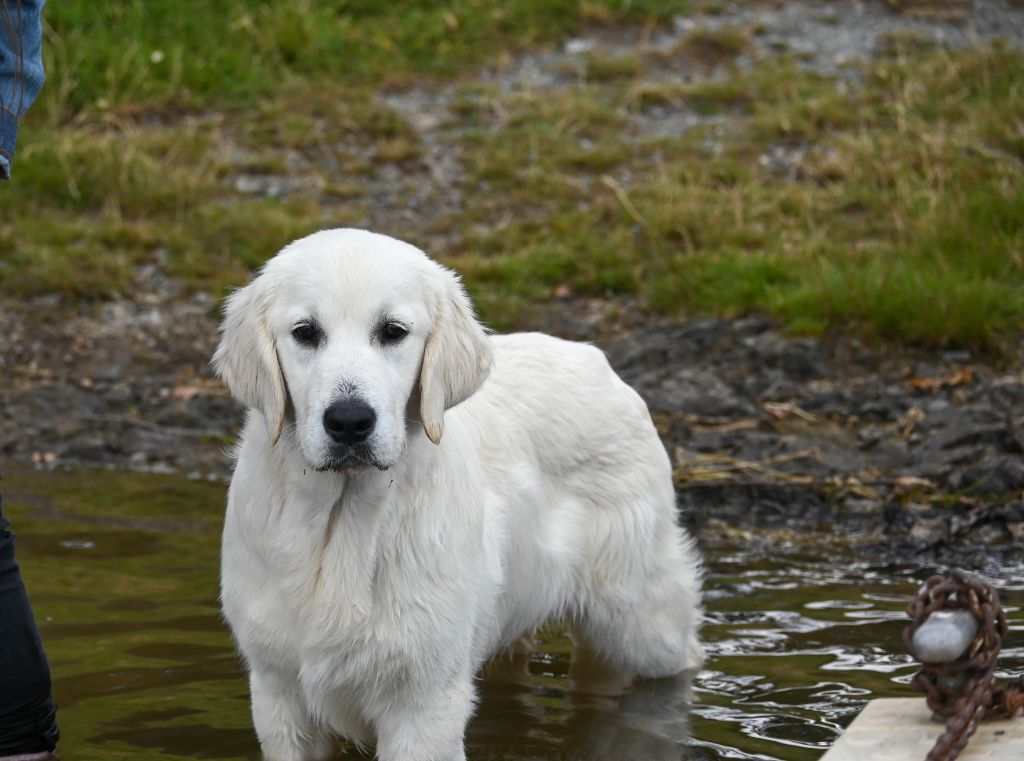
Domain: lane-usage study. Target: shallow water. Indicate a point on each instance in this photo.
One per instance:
(122, 570)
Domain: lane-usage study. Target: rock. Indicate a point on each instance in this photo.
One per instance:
(860, 504)
(998, 474)
(944, 636)
(930, 530)
(992, 534)
(979, 436)
(696, 392)
(800, 359)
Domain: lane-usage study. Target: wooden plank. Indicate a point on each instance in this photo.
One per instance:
(901, 729)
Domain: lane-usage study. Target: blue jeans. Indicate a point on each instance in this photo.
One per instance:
(28, 715)
(21, 69)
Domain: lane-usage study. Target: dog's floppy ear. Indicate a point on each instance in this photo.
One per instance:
(457, 358)
(246, 357)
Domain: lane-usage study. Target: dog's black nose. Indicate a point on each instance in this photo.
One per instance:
(350, 421)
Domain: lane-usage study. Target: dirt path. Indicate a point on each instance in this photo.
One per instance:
(919, 451)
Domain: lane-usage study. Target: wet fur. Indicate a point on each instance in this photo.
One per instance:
(516, 478)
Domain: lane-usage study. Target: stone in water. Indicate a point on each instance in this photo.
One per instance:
(944, 636)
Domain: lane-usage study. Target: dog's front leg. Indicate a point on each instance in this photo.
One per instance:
(284, 726)
(427, 727)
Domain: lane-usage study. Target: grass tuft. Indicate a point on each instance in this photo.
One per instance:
(716, 46)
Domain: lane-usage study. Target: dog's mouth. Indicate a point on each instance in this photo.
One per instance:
(342, 458)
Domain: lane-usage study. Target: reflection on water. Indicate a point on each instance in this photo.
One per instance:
(122, 570)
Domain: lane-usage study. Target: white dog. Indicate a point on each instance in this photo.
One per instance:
(412, 495)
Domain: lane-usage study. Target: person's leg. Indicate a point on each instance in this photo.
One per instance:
(28, 714)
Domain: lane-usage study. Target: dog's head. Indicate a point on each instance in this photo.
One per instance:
(353, 339)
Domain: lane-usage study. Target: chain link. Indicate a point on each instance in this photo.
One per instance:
(963, 691)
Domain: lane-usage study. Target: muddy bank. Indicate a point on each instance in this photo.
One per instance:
(920, 452)
(917, 451)
(899, 449)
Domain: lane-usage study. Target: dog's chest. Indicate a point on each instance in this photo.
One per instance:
(330, 643)
(345, 617)
(288, 591)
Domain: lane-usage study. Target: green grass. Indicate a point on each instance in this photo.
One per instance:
(145, 54)
(889, 201)
(900, 213)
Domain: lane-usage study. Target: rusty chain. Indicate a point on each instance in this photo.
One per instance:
(963, 691)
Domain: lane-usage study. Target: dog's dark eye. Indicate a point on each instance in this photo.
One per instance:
(306, 333)
(393, 332)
